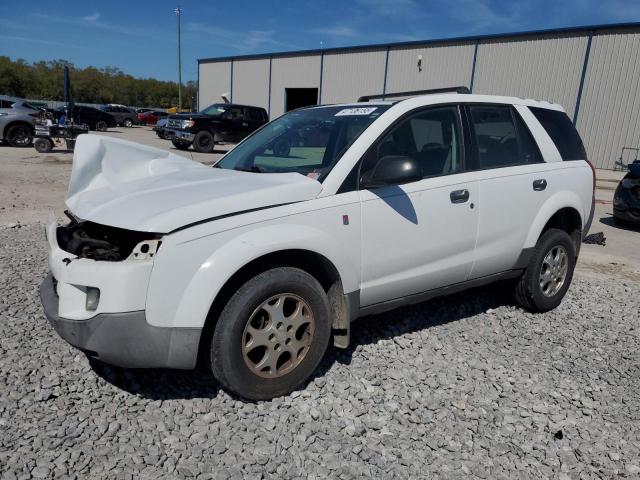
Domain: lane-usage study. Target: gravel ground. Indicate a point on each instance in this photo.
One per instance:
(458, 387)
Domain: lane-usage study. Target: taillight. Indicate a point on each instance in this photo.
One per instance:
(593, 171)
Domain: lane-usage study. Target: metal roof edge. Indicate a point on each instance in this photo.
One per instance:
(471, 38)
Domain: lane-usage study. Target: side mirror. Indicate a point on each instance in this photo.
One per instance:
(392, 170)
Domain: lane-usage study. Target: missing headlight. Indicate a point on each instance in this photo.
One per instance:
(101, 242)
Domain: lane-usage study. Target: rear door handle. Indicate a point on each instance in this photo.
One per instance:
(459, 196)
(539, 184)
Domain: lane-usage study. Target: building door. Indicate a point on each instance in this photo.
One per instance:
(299, 97)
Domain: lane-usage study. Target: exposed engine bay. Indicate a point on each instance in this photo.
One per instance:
(101, 242)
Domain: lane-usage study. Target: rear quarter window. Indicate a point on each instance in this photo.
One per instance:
(562, 132)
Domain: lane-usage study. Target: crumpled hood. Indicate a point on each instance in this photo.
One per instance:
(124, 184)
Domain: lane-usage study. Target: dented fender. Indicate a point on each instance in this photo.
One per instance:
(198, 269)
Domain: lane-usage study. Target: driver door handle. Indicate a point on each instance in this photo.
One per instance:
(540, 184)
(459, 196)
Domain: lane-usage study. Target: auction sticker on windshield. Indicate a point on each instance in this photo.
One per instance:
(356, 111)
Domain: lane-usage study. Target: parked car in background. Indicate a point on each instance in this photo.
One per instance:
(626, 200)
(124, 116)
(94, 118)
(17, 122)
(159, 128)
(256, 265)
(220, 122)
(151, 117)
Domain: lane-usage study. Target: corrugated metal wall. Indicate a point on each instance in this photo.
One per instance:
(292, 72)
(442, 66)
(251, 82)
(347, 76)
(214, 80)
(546, 68)
(609, 116)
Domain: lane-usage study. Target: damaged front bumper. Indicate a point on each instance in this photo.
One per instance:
(115, 329)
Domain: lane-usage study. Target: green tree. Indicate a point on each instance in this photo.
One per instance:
(43, 80)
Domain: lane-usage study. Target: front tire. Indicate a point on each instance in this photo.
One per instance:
(203, 142)
(549, 272)
(43, 145)
(101, 126)
(128, 122)
(271, 334)
(180, 145)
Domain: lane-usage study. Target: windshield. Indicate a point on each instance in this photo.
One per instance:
(215, 109)
(308, 141)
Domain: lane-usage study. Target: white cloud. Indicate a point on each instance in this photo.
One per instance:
(50, 43)
(93, 18)
(243, 41)
(392, 8)
(478, 14)
(93, 21)
(337, 31)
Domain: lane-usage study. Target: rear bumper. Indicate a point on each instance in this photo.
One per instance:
(123, 339)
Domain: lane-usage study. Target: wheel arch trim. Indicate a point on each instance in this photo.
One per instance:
(203, 287)
(557, 202)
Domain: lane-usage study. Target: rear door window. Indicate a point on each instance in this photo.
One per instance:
(255, 115)
(233, 113)
(562, 132)
(501, 137)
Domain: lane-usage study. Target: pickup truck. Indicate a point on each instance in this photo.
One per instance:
(220, 122)
(328, 213)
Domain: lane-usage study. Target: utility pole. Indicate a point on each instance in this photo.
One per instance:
(178, 12)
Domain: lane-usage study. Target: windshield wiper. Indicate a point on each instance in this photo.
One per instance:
(254, 169)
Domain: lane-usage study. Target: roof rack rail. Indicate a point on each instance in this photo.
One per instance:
(412, 93)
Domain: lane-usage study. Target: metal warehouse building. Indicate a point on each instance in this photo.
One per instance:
(594, 72)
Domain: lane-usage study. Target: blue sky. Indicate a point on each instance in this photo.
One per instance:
(139, 37)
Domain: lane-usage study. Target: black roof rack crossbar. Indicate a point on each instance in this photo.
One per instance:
(412, 93)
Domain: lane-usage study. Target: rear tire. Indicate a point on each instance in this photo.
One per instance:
(287, 343)
(549, 272)
(180, 145)
(101, 126)
(203, 142)
(20, 136)
(128, 122)
(43, 145)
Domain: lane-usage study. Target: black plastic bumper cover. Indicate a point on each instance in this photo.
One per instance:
(123, 339)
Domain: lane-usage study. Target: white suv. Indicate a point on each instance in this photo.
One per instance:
(324, 215)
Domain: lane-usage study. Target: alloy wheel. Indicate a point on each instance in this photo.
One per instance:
(20, 136)
(277, 336)
(553, 272)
